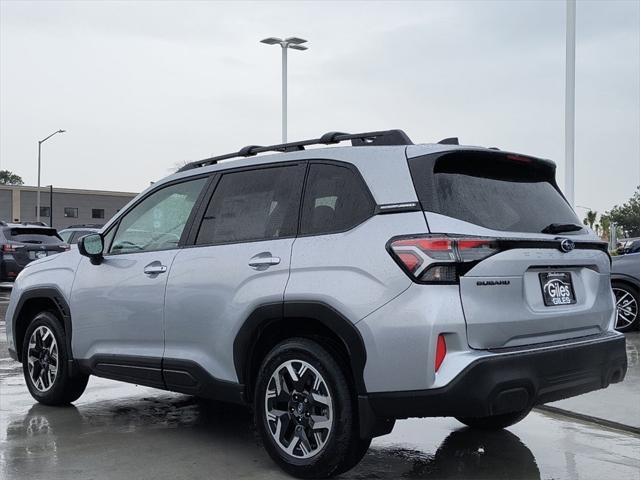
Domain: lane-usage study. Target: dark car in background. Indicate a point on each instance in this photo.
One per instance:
(21, 243)
(625, 281)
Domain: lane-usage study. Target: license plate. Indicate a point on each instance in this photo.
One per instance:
(37, 254)
(557, 288)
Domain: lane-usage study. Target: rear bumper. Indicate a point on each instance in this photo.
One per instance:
(513, 381)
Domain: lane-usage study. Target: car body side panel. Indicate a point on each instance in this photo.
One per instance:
(118, 309)
(351, 271)
(57, 271)
(401, 340)
(211, 292)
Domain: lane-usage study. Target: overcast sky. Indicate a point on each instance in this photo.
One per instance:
(140, 86)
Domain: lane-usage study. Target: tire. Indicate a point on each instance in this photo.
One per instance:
(47, 374)
(299, 385)
(627, 306)
(495, 422)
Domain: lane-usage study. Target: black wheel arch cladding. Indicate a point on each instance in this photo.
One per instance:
(52, 296)
(263, 317)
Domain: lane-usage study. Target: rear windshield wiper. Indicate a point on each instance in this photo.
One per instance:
(561, 227)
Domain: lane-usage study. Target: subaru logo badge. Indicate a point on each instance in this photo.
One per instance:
(567, 245)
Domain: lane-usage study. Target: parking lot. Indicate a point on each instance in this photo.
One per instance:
(160, 435)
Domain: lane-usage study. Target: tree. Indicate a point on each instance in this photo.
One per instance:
(605, 224)
(627, 215)
(10, 178)
(590, 219)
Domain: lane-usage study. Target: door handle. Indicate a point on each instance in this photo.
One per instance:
(154, 268)
(263, 260)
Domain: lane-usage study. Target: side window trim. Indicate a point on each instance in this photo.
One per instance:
(113, 229)
(363, 182)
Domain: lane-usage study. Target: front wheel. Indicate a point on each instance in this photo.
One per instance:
(305, 411)
(494, 422)
(44, 363)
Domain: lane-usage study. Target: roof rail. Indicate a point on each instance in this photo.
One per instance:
(383, 137)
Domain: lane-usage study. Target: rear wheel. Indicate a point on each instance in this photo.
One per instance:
(627, 302)
(45, 365)
(305, 411)
(495, 422)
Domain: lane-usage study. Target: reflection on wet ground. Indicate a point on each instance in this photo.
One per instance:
(145, 433)
(69, 441)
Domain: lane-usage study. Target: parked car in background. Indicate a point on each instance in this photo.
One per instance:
(630, 246)
(73, 233)
(625, 281)
(21, 243)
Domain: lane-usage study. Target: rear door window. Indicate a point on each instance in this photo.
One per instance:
(336, 199)
(37, 236)
(252, 205)
(494, 190)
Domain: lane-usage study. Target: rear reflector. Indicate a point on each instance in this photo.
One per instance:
(432, 259)
(441, 351)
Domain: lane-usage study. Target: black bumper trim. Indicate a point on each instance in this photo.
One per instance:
(512, 382)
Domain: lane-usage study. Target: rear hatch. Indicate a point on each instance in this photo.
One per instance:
(530, 272)
(29, 243)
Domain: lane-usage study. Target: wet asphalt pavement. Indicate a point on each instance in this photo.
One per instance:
(121, 431)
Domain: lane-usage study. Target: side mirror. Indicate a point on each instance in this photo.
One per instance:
(91, 246)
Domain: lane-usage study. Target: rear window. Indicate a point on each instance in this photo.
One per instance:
(494, 190)
(41, 236)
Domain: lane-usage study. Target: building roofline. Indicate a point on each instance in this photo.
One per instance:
(45, 190)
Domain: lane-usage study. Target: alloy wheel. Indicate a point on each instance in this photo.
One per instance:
(43, 358)
(626, 308)
(299, 409)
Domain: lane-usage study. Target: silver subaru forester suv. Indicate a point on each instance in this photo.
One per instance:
(334, 290)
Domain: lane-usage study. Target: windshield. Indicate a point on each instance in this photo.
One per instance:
(40, 236)
(493, 190)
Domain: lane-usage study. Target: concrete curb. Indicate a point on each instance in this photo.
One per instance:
(589, 419)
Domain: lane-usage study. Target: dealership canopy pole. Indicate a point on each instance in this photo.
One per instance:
(570, 101)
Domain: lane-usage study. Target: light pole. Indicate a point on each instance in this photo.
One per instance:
(570, 102)
(40, 142)
(296, 44)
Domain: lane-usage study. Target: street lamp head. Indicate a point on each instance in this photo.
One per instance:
(271, 41)
(295, 40)
(298, 47)
(61, 131)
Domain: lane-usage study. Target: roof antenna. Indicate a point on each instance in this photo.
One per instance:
(449, 141)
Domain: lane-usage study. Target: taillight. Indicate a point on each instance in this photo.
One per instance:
(441, 351)
(440, 259)
(65, 247)
(8, 248)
